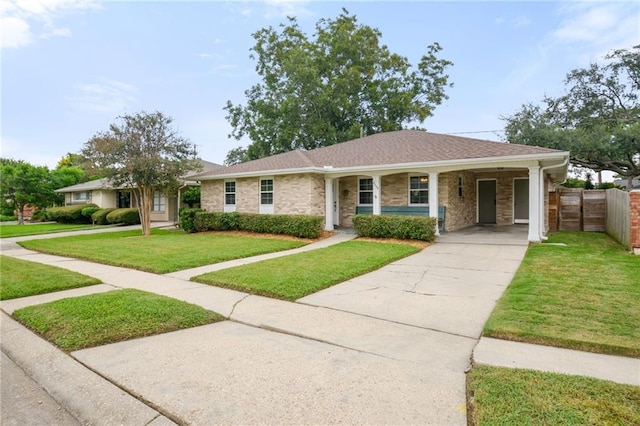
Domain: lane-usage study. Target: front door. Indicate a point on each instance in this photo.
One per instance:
(487, 201)
(521, 200)
(336, 202)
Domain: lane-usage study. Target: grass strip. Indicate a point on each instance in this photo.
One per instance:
(505, 396)
(295, 276)
(98, 319)
(21, 278)
(9, 231)
(162, 252)
(584, 296)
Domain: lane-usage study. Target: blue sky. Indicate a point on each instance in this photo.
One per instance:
(71, 67)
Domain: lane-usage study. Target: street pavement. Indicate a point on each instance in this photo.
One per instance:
(388, 347)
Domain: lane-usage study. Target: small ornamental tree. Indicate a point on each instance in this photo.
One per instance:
(142, 152)
(191, 196)
(23, 184)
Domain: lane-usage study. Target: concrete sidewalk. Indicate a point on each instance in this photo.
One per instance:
(388, 347)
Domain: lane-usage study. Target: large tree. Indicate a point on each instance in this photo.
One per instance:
(23, 184)
(142, 152)
(597, 119)
(334, 87)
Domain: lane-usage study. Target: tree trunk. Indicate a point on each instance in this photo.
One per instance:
(144, 207)
(629, 183)
(20, 211)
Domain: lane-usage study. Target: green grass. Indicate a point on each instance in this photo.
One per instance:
(505, 396)
(98, 319)
(8, 231)
(295, 276)
(20, 278)
(585, 296)
(163, 251)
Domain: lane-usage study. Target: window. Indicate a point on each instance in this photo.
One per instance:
(365, 191)
(159, 202)
(418, 190)
(266, 191)
(82, 196)
(460, 187)
(124, 199)
(230, 193)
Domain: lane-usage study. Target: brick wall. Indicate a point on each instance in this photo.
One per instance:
(634, 203)
(211, 195)
(461, 208)
(348, 199)
(299, 194)
(395, 189)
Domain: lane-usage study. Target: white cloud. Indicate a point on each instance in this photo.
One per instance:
(110, 96)
(24, 21)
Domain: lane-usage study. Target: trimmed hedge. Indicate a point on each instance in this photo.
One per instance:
(187, 219)
(392, 226)
(89, 211)
(129, 216)
(70, 214)
(294, 225)
(99, 217)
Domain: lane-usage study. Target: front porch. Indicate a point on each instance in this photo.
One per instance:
(488, 234)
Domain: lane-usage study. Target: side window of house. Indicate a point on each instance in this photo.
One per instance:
(159, 202)
(365, 191)
(418, 190)
(266, 191)
(230, 193)
(81, 196)
(460, 187)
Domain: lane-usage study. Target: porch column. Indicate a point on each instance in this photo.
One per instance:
(534, 204)
(433, 199)
(328, 204)
(377, 195)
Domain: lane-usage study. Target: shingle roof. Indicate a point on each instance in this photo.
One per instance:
(87, 186)
(398, 147)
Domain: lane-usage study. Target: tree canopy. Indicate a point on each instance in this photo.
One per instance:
(597, 119)
(23, 184)
(142, 152)
(334, 87)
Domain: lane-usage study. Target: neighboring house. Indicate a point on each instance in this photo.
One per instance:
(623, 183)
(105, 195)
(403, 172)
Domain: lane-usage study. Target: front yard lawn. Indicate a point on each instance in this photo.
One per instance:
(162, 252)
(98, 319)
(22, 278)
(506, 396)
(298, 275)
(8, 231)
(584, 296)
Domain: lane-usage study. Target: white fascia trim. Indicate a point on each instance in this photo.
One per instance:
(433, 166)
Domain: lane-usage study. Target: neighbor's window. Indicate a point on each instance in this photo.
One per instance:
(81, 196)
(418, 190)
(266, 191)
(230, 193)
(159, 202)
(365, 191)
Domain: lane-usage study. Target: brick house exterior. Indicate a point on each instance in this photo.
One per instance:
(471, 181)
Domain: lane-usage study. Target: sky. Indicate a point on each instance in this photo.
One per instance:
(70, 68)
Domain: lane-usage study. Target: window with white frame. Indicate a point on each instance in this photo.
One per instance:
(159, 202)
(365, 191)
(419, 190)
(82, 196)
(230, 193)
(266, 191)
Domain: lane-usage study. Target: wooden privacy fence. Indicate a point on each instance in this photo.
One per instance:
(574, 209)
(612, 211)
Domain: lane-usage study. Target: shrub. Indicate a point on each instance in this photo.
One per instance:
(400, 227)
(187, 219)
(69, 214)
(89, 211)
(39, 215)
(7, 218)
(99, 217)
(129, 216)
(297, 226)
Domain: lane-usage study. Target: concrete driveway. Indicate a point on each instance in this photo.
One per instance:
(389, 347)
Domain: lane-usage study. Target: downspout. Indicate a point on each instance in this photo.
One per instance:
(542, 212)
